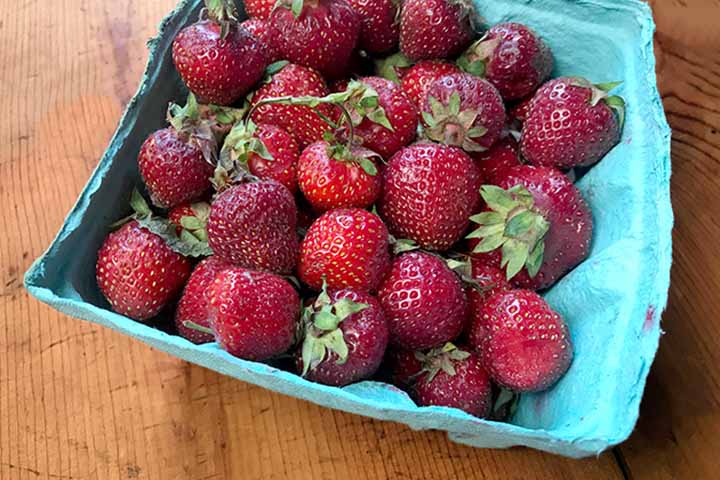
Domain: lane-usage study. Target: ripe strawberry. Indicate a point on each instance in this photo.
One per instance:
(436, 28)
(417, 79)
(253, 314)
(259, 29)
(194, 305)
(259, 9)
(266, 151)
(138, 273)
(349, 248)
(519, 111)
(380, 30)
(300, 121)
(385, 120)
(345, 338)
(319, 34)
(454, 378)
(511, 57)
(337, 176)
(524, 344)
(493, 163)
(424, 302)
(403, 367)
(190, 220)
(176, 163)
(218, 61)
(571, 123)
(429, 193)
(539, 221)
(253, 225)
(463, 111)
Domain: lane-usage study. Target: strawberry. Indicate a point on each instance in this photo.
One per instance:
(417, 79)
(424, 302)
(463, 111)
(539, 222)
(524, 344)
(265, 151)
(349, 248)
(138, 273)
(218, 61)
(259, 29)
(454, 378)
(190, 221)
(345, 338)
(384, 119)
(429, 193)
(176, 163)
(403, 367)
(253, 225)
(493, 163)
(259, 9)
(332, 176)
(512, 57)
(319, 34)
(299, 121)
(517, 113)
(571, 123)
(194, 305)
(436, 28)
(253, 314)
(380, 30)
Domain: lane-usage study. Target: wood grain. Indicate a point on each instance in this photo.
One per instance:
(81, 402)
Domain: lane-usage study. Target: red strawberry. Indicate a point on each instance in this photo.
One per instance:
(349, 248)
(417, 79)
(300, 121)
(260, 30)
(403, 367)
(253, 225)
(385, 120)
(345, 338)
(176, 163)
(266, 151)
(436, 28)
(429, 193)
(493, 163)
(519, 111)
(218, 61)
(511, 57)
(463, 111)
(454, 378)
(260, 9)
(571, 123)
(194, 304)
(539, 221)
(190, 220)
(380, 31)
(524, 344)
(138, 273)
(336, 176)
(320, 34)
(424, 302)
(254, 314)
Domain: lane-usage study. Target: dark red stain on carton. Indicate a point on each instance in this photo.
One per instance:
(649, 319)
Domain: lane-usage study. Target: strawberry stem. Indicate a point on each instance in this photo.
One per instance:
(198, 328)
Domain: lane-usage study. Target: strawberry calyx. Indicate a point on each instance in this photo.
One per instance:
(222, 12)
(440, 359)
(344, 153)
(505, 405)
(474, 60)
(295, 6)
(393, 67)
(462, 266)
(193, 128)
(187, 245)
(193, 227)
(513, 224)
(239, 144)
(321, 322)
(601, 92)
(449, 125)
(402, 245)
(469, 12)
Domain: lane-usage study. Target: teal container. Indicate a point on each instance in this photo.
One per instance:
(612, 302)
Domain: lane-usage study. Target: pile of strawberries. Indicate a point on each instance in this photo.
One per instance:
(359, 212)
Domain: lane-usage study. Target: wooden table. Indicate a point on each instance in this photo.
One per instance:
(78, 401)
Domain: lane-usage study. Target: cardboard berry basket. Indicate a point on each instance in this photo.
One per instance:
(612, 302)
